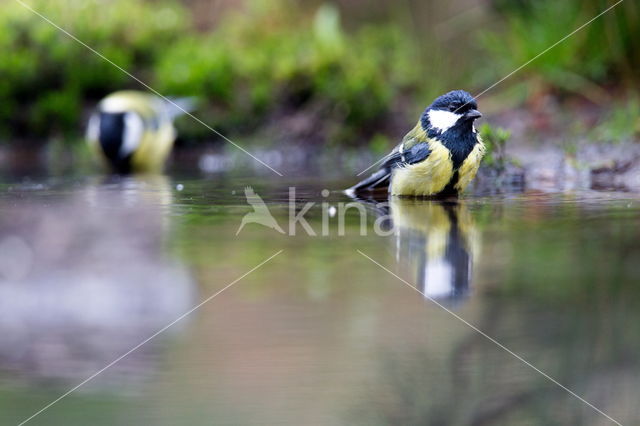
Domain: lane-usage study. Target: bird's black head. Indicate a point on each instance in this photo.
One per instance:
(450, 120)
(454, 111)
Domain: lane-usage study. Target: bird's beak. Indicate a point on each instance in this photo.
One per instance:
(472, 114)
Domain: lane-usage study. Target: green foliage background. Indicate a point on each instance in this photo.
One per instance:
(273, 59)
(46, 78)
(604, 53)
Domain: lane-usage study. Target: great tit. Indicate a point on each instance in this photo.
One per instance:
(133, 131)
(438, 158)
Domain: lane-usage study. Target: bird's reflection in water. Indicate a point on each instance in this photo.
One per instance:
(436, 241)
(84, 277)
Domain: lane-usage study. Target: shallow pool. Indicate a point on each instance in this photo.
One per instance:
(499, 309)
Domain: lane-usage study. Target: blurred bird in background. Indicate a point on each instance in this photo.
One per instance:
(438, 158)
(133, 131)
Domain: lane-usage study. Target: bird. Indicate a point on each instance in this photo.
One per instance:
(438, 158)
(132, 131)
(260, 213)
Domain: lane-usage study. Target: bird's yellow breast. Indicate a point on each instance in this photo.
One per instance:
(427, 177)
(154, 149)
(470, 165)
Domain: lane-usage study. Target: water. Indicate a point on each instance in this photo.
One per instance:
(321, 333)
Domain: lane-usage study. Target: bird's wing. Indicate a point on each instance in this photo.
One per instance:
(414, 148)
(417, 153)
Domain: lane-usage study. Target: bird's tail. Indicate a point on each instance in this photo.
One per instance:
(379, 181)
(179, 106)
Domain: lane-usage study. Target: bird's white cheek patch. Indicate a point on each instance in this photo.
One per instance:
(443, 120)
(133, 130)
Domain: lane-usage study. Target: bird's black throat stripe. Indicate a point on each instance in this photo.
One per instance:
(460, 141)
(111, 137)
(450, 189)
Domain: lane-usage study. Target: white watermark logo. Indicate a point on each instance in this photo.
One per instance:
(331, 214)
(260, 214)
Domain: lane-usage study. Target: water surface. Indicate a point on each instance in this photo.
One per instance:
(320, 334)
